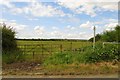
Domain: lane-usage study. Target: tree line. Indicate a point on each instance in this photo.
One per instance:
(50, 39)
(9, 40)
(109, 36)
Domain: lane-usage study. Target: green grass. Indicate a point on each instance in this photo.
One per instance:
(69, 61)
(82, 69)
(109, 53)
(12, 56)
(50, 46)
(66, 51)
(40, 50)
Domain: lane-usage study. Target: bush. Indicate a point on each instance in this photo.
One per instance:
(8, 36)
(59, 58)
(13, 56)
(109, 36)
(10, 52)
(108, 53)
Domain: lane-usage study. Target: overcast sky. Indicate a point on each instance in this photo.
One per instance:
(58, 19)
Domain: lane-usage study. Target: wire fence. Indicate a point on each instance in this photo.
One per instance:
(40, 52)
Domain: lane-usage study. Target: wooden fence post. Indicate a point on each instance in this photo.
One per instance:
(24, 49)
(42, 53)
(61, 48)
(103, 44)
(42, 49)
(51, 49)
(71, 46)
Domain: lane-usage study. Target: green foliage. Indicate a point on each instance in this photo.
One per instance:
(59, 58)
(64, 58)
(117, 33)
(97, 38)
(109, 53)
(12, 56)
(9, 46)
(109, 36)
(8, 42)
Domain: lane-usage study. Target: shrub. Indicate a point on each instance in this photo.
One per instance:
(12, 56)
(108, 53)
(10, 52)
(59, 58)
(8, 36)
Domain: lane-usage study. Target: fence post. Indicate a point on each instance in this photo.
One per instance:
(42, 53)
(51, 49)
(42, 48)
(71, 46)
(103, 44)
(24, 49)
(61, 48)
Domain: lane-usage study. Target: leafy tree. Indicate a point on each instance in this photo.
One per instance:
(8, 36)
(97, 38)
(112, 36)
(109, 36)
(117, 28)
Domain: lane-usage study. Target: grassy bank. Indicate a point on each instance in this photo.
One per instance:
(89, 55)
(85, 62)
(12, 57)
(34, 69)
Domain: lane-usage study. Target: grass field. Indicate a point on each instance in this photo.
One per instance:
(50, 46)
(66, 63)
(38, 50)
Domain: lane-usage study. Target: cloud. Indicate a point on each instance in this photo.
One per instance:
(110, 26)
(56, 34)
(16, 26)
(32, 19)
(13, 24)
(79, 35)
(89, 7)
(55, 28)
(106, 6)
(78, 7)
(88, 24)
(39, 30)
(6, 3)
(112, 20)
(39, 9)
(70, 27)
(88, 1)
(17, 11)
(104, 24)
(36, 9)
(71, 19)
(71, 4)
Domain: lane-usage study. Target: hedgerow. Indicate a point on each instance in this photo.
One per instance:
(90, 55)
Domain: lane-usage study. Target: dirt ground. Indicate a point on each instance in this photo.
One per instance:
(31, 70)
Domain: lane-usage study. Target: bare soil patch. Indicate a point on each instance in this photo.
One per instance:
(81, 70)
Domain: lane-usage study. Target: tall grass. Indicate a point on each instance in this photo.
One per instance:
(99, 54)
(12, 56)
